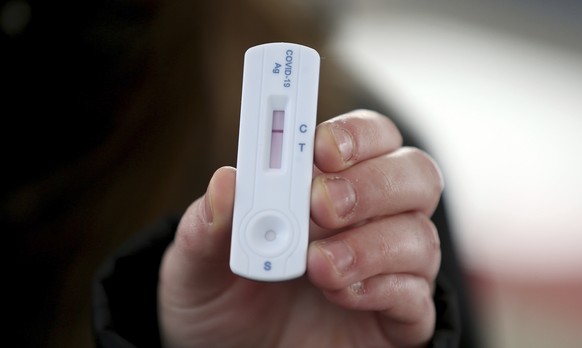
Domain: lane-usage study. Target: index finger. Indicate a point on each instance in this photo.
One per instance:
(354, 137)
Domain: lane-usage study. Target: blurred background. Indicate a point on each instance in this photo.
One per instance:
(494, 90)
(116, 112)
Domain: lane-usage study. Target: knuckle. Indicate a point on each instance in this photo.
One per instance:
(430, 233)
(192, 225)
(388, 185)
(432, 246)
(431, 176)
(429, 166)
(185, 240)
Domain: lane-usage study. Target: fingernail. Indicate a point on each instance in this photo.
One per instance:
(342, 194)
(358, 288)
(339, 254)
(344, 142)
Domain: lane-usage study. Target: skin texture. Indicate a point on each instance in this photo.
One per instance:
(372, 259)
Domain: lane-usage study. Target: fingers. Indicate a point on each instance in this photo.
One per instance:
(400, 296)
(406, 243)
(406, 311)
(352, 138)
(199, 254)
(405, 180)
(377, 249)
(387, 266)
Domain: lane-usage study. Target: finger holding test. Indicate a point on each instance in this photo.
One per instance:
(388, 266)
(402, 244)
(405, 180)
(201, 243)
(354, 137)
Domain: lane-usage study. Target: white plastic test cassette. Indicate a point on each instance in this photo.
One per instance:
(275, 162)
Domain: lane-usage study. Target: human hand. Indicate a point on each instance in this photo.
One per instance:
(372, 259)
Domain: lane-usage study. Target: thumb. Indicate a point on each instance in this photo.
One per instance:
(195, 266)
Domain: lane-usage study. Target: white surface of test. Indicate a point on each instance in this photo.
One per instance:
(275, 162)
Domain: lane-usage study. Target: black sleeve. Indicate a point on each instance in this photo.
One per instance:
(125, 290)
(455, 325)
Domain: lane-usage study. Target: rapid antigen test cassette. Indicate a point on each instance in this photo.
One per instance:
(270, 230)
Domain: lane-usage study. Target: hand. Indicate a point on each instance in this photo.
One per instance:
(372, 259)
